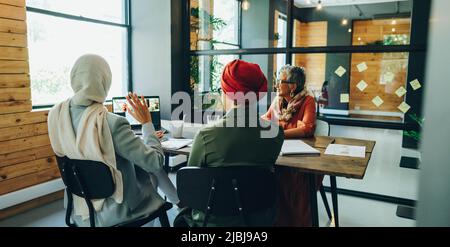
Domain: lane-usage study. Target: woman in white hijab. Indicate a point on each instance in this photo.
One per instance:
(82, 128)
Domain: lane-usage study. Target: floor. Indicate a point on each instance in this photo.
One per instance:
(353, 212)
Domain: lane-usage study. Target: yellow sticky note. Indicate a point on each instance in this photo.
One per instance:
(340, 71)
(404, 107)
(377, 101)
(362, 66)
(344, 97)
(415, 84)
(361, 85)
(400, 91)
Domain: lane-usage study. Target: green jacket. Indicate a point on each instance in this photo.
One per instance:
(218, 144)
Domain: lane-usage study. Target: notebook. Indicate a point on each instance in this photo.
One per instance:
(297, 147)
(176, 144)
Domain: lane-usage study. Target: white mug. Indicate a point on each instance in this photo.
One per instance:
(176, 128)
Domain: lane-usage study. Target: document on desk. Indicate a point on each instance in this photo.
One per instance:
(346, 150)
(297, 147)
(175, 144)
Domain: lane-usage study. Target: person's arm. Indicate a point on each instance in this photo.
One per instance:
(146, 154)
(197, 155)
(306, 126)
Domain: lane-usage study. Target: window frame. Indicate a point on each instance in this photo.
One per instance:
(126, 25)
(290, 50)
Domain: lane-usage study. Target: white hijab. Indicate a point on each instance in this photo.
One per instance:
(90, 79)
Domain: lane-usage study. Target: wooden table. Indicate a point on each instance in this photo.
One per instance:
(335, 166)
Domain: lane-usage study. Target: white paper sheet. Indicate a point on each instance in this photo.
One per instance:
(346, 150)
(297, 147)
(175, 144)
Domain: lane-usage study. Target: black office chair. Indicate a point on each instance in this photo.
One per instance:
(93, 180)
(227, 191)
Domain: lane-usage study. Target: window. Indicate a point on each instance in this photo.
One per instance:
(370, 43)
(60, 32)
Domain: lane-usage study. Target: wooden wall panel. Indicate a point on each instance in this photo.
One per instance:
(26, 155)
(15, 94)
(13, 53)
(15, 106)
(11, 120)
(13, 26)
(17, 170)
(24, 144)
(12, 12)
(21, 182)
(19, 3)
(13, 39)
(306, 35)
(23, 131)
(14, 80)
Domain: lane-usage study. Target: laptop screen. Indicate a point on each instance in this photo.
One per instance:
(154, 108)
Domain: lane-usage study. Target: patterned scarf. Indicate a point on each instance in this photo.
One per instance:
(286, 114)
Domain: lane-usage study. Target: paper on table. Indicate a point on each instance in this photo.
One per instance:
(400, 91)
(377, 101)
(404, 107)
(340, 71)
(175, 144)
(344, 98)
(297, 147)
(362, 66)
(361, 85)
(415, 84)
(346, 150)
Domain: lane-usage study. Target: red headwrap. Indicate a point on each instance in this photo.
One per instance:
(241, 76)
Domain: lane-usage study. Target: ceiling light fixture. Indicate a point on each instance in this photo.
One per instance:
(393, 29)
(319, 5)
(245, 4)
(349, 30)
(393, 22)
(344, 22)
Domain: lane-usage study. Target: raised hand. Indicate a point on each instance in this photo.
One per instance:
(139, 108)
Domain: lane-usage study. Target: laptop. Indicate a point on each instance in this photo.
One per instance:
(154, 108)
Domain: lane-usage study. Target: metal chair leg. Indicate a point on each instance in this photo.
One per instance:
(313, 200)
(164, 220)
(334, 200)
(325, 201)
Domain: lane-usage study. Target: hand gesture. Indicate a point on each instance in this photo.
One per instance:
(139, 108)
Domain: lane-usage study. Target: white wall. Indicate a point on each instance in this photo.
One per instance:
(152, 50)
(434, 184)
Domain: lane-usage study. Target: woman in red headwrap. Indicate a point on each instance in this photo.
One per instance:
(236, 138)
(295, 111)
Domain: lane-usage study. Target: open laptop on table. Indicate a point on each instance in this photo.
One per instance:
(154, 108)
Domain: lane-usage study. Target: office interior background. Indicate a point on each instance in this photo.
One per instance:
(380, 63)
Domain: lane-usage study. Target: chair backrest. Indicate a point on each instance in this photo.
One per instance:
(85, 178)
(322, 128)
(227, 191)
